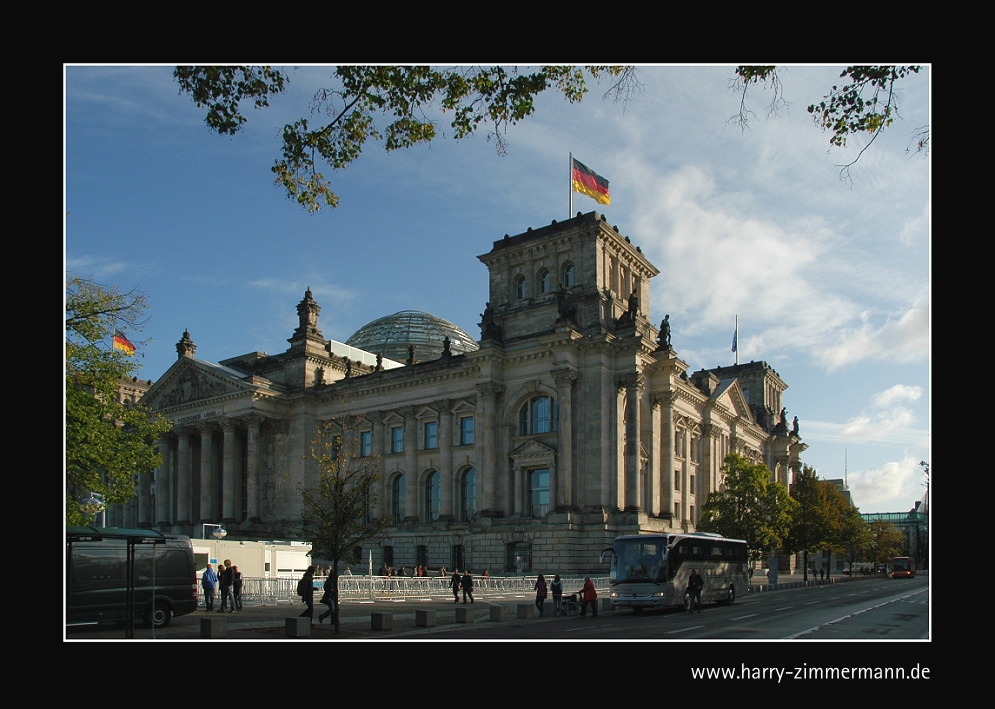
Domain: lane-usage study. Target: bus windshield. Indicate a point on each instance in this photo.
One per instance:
(900, 564)
(640, 560)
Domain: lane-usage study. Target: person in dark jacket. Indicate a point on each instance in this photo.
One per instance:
(306, 586)
(695, 584)
(454, 584)
(466, 583)
(236, 587)
(226, 579)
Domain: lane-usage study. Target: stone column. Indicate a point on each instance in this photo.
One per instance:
(229, 460)
(519, 503)
(411, 510)
(487, 395)
(206, 472)
(253, 448)
(653, 490)
(633, 383)
(563, 499)
(446, 474)
(163, 483)
(668, 461)
(377, 449)
(184, 478)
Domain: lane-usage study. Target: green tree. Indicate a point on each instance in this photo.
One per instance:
(887, 541)
(811, 523)
(339, 506)
(865, 103)
(854, 536)
(750, 506)
(108, 443)
(497, 97)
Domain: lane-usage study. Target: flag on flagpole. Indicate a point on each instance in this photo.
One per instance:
(735, 341)
(123, 343)
(587, 181)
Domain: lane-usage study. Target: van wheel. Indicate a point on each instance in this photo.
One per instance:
(160, 617)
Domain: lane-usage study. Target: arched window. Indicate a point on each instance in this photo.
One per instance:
(433, 496)
(519, 557)
(544, 281)
(520, 287)
(397, 494)
(468, 495)
(569, 276)
(538, 492)
(537, 416)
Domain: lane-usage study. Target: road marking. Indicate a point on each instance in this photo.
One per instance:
(751, 615)
(783, 609)
(863, 610)
(590, 627)
(684, 630)
(812, 603)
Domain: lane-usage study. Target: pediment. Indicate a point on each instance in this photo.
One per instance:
(190, 380)
(730, 396)
(533, 449)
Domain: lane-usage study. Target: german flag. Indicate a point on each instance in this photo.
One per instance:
(123, 343)
(587, 181)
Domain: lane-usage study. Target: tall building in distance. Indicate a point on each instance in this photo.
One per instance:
(570, 421)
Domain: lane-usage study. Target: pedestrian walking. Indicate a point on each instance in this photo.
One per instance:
(305, 589)
(466, 583)
(326, 598)
(454, 583)
(540, 589)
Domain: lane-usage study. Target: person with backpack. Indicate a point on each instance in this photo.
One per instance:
(556, 587)
(305, 589)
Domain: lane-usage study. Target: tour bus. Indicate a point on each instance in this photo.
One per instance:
(652, 570)
(903, 567)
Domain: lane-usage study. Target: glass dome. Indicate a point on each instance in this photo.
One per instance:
(391, 336)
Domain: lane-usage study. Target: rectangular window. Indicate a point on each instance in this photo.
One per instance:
(431, 435)
(691, 486)
(466, 431)
(397, 440)
(677, 479)
(365, 444)
(539, 492)
(691, 514)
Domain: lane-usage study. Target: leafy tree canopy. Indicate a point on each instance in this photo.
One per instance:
(750, 506)
(339, 507)
(108, 443)
(346, 115)
(887, 541)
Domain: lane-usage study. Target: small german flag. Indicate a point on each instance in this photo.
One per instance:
(587, 181)
(123, 343)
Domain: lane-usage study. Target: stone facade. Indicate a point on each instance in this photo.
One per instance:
(574, 422)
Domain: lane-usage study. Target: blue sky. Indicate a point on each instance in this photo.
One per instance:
(830, 279)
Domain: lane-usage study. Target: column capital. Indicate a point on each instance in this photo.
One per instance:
(490, 389)
(564, 377)
(631, 380)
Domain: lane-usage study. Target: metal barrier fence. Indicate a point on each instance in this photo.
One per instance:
(383, 588)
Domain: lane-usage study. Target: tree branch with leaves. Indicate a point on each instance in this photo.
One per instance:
(340, 505)
(345, 116)
(109, 443)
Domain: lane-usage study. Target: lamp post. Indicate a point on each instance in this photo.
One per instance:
(218, 532)
(95, 502)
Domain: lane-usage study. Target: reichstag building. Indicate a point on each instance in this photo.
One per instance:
(571, 420)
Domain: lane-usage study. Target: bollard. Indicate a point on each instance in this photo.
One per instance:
(298, 627)
(464, 615)
(425, 618)
(381, 620)
(213, 627)
(499, 613)
(525, 611)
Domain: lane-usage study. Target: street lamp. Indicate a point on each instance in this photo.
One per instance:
(218, 532)
(95, 502)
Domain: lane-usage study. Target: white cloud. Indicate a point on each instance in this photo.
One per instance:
(899, 392)
(903, 340)
(894, 485)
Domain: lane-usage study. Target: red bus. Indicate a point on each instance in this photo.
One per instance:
(903, 567)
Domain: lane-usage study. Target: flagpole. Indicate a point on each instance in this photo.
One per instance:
(737, 339)
(570, 187)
